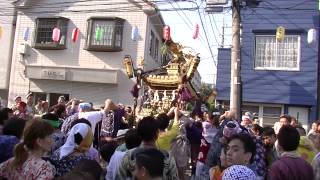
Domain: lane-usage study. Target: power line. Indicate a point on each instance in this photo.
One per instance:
(190, 26)
(215, 24)
(205, 33)
(205, 23)
(214, 34)
(129, 8)
(208, 32)
(52, 5)
(32, 5)
(95, 10)
(183, 13)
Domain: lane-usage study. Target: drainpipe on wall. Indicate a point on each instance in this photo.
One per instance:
(318, 74)
(13, 31)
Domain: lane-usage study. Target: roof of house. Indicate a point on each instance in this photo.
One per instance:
(21, 3)
(135, 2)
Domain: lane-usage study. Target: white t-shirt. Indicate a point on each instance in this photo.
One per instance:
(114, 164)
(93, 117)
(30, 110)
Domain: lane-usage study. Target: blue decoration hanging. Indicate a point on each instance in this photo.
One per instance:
(26, 33)
(135, 33)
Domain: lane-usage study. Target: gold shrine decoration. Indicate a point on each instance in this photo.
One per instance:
(127, 62)
(163, 83)
(140, 62)
(193, 67)
(280, 33)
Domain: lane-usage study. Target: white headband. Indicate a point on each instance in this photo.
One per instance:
(70, 144)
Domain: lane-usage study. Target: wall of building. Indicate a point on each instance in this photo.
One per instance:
(282, 87)
(223, 74)
(90, 92)
(75, 55)
(287, 87)
(297, 88)
(7, 24)
(155, 25)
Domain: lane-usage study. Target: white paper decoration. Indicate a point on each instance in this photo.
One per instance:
(312, 36)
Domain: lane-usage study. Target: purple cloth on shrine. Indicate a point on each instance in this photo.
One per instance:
(185, 94)
(135, 91)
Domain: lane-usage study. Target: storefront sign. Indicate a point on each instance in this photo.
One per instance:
(56, 74)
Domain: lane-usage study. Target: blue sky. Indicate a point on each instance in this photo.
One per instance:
(182, 26)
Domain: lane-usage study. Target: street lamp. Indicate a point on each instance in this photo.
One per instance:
(127, 62)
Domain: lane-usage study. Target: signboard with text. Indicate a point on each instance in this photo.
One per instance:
(56, 74)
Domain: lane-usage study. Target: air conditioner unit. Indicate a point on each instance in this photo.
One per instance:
(217, 2)
(23, 48)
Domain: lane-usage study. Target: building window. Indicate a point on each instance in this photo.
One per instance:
(165, 58)
(273, 55)
(52, 98)
(38, 96)
(271, 115)
(151, 45)
(43, 33)
(253, 109)
(154, 47)
(104, 34)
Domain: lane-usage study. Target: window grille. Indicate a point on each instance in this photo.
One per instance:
(44, 29)
(111, 34)
(273, 55)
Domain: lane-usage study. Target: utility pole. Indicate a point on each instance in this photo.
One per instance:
(235, 86)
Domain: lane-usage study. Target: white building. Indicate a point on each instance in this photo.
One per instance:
(90, 68)
(7, 30)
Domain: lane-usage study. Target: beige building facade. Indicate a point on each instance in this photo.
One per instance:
(7, 32)
(91, 67)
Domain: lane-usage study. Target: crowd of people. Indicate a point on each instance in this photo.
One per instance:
(72, 140)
